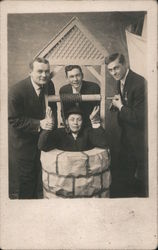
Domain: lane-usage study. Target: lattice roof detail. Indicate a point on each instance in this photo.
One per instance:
(74, 44)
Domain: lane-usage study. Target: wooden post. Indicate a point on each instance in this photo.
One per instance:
(103, 92)
(94, 72)
(46, 101)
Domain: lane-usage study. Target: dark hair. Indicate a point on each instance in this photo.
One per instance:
(40, 60)
(73, 110)
(115, 56)
(71, 67)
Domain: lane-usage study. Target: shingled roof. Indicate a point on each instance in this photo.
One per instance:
(74, 44)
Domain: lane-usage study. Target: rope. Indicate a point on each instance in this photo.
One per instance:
(70, 98)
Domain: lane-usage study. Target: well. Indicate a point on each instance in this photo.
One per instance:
(76, 174)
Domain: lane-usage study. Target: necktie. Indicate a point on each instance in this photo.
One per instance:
(76, 91)
(121, 87)
(41, 93)
(42, 100)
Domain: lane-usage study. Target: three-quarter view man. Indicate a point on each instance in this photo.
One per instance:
(27, 116)
(130, 177)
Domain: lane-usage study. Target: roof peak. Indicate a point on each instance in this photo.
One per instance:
(74, 44)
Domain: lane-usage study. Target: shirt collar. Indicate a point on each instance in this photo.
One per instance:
(36, 87)
(74, 90)
(75, 135)
(124, 78)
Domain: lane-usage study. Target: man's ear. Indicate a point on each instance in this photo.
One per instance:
(66, 121)
(51, 74)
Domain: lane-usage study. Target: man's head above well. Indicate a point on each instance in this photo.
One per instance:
(116, 65)
(74, 119)
(74, 75)
(40, 71)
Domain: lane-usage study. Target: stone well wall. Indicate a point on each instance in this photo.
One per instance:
(76, 174)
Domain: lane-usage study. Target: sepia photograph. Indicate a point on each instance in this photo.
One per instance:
(94, 144)
(79, 121)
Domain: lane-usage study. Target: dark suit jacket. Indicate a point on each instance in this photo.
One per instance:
(25, 113)
(133, 115)
(86, 107)
(87, 139)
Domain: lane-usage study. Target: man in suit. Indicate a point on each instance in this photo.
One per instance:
(130, 177)
(27, 116)
(77, 85)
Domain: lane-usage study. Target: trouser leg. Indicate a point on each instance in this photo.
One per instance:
(28, 178)
(123, 176)
(130, 175)
(141, 185)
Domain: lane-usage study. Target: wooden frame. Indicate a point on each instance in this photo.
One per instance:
(90, 53)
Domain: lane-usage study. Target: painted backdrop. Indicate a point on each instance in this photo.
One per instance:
(29, 33)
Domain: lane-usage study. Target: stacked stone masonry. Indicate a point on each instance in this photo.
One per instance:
(76, 174)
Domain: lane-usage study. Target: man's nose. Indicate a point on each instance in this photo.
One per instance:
(113, 72)
(43, 73)
(75, 78)
(76, 122)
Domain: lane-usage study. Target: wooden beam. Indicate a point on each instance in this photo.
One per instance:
(94, 72)
(46, 101)
(56, 69)
(92, 38)
(67, 61)
(103, 92)
(56, 39)
(73, 22)
(84, 98)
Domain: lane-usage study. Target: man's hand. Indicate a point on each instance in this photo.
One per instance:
(116, 102)
(49, 114)
(94, 116)
(48, 122)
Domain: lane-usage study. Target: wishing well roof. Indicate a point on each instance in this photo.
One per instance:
(74, 44)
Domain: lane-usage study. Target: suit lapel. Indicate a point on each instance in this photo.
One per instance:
(69, 89)
(127, 83)
(32, 101)
(31, 94)
(127, 86)
(118, 87)
(83, 88)
(30, 89)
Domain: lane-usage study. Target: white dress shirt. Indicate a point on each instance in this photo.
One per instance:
(74, 136)
(36, 87)
(76, 91)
